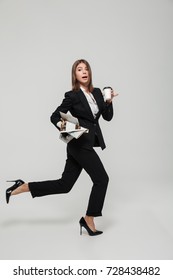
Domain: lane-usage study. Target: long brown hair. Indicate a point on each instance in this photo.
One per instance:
(75, 83)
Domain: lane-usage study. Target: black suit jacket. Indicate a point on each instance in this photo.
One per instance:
(77, 104)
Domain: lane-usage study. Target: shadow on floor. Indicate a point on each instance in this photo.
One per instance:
(47, 221)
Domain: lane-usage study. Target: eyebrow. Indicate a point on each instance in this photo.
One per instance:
(80, 67)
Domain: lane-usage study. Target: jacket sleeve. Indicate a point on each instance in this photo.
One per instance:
(107, 113)
(64, 107)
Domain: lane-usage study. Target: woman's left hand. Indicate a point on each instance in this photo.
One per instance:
(113, 94)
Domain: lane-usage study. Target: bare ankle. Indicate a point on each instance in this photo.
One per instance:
(89, 218)
(23, 188)
(90, 222)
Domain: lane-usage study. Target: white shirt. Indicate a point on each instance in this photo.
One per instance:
(91, 101)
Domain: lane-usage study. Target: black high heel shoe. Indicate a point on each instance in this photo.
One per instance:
(83, 223)
(18, 183)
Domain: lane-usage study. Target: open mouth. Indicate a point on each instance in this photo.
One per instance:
(84, 77)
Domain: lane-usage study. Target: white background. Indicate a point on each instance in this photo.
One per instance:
(129, 45)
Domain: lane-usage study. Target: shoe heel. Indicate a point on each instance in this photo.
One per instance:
(12, 181)
(80, 230)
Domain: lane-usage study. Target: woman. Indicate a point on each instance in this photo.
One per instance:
(86, 103)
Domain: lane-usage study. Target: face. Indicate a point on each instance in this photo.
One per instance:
(82, 74)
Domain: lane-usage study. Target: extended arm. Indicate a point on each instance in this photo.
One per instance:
(108, 110)
(107, 113)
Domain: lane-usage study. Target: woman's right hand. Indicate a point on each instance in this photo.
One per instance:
(63, 125)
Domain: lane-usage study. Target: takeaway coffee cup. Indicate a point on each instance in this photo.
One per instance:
(107, 93)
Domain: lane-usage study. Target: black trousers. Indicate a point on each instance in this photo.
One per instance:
(77, 159)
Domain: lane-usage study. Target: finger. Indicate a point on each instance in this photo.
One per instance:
(115, 94)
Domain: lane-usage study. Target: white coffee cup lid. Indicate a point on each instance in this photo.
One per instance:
(107, 88)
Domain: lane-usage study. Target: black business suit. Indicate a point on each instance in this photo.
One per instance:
(80, 152)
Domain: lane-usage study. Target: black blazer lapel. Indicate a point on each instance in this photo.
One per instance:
(96, 95)
(85, 103)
